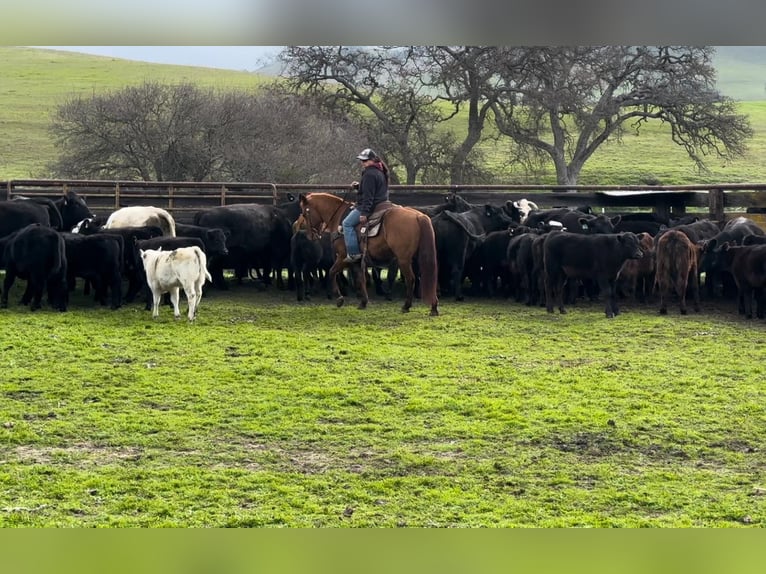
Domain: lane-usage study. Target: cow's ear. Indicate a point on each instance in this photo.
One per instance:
(709, 245)
(488, 209)
(616, 219)
(725, 246)
(583, 223)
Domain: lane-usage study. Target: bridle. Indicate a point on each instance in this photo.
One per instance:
(315, 231)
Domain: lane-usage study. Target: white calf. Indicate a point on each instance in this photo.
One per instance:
(141, 215)
(166, 271)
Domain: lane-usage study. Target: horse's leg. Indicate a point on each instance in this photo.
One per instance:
(409, 281)
(362, 280)
(336, 268)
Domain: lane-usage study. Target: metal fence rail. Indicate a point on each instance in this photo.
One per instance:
(182, 199)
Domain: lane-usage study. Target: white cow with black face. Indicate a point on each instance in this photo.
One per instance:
(167, 271)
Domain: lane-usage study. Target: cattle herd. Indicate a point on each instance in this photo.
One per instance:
(538, 257)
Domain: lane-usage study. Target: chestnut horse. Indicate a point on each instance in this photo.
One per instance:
(405, 233)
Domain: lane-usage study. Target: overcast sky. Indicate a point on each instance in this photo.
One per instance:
(227, 57)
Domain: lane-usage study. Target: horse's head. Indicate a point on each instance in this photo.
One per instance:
(312, 217)
(321, 211)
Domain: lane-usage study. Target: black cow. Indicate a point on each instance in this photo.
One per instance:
(733, 233)
(258, 238)
(487, 268)
(98, 259)
(697, 231)
(131, 264)
(598, 257)
(17, 214)
(457, 235)
(214, 239)
(747, 264)
(35, 253)
(64, 212)
(161, 242)
(520, 264)
(73, 209)
(452, 202)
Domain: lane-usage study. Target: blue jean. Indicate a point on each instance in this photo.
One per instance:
(349, 235)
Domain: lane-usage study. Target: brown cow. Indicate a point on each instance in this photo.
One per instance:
(636, 276)
(747, 264)
(677, 264)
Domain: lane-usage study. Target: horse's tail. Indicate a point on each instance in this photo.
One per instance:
(167, 223)
(427, 263)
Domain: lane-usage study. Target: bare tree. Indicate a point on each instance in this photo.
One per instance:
(150, 132)
(400, 115)
(183, 133)
(564, 102)
(284, 137)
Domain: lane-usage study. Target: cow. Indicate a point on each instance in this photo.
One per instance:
(636, 276)
(677, 269)
(167, 271)
(452, 202)
(576, 256)
(214, 239)
(747, 264)
(130, 264)
(489, 263)
(457, 235)
(163, 243)
(734, 232)
(142, 216)
(72, 209)
(63, 212)
(98, 259)
(518, 210)
(35, 253)
(16, 214)
(258, 237)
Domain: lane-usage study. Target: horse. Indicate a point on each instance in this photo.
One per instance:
(405, 233)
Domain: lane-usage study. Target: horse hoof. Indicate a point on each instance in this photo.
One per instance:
(362, 306)
(339, 301)
(434, 313)
(405, 309)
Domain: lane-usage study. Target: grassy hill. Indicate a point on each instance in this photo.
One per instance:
(36, 81)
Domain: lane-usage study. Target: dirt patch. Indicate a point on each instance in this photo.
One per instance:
(81, 454)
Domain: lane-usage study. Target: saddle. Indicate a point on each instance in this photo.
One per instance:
(374, 222)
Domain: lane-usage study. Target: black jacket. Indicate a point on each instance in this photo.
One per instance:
(373, 189)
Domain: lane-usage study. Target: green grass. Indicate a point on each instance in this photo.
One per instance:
(266, 412)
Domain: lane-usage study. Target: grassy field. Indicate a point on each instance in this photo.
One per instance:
(266, 412)
(36, 81)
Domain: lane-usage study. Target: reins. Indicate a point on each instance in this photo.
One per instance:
(326, 224)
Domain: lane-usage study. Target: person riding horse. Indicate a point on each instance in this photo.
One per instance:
(372, 190)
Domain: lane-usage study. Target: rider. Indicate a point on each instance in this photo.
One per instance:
(372, 190)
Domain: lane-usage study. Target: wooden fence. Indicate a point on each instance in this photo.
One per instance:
(182, 199)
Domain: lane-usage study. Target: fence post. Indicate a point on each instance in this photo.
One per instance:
(223, 195)
(170, 198)
(716, 201)
(116, 195)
